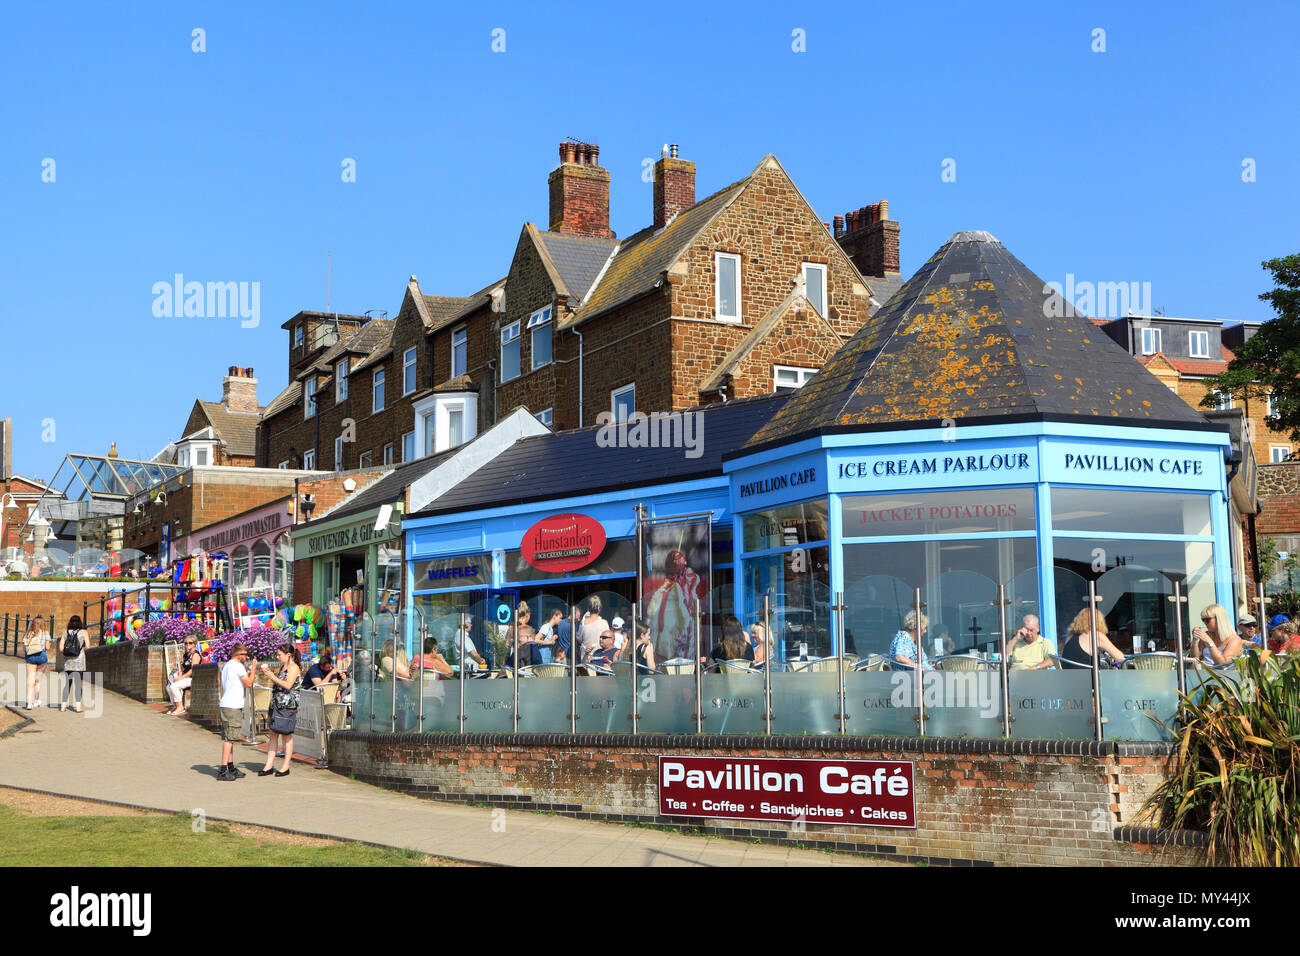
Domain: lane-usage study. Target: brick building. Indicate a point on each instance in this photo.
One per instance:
(742, 293)
(220, 433)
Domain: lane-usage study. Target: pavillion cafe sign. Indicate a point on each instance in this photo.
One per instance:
(563, 542)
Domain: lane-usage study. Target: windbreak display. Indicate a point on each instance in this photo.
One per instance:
(674, 588)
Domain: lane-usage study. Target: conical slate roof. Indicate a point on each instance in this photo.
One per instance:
(976, 337)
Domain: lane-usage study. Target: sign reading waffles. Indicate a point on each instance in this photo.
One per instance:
(563, 542)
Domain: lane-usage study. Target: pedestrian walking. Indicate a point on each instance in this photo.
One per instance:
(236, 678)
(283, 716)
(35, 642)
(72, 645)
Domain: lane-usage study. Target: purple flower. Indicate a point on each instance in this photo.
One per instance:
(170, 630)
(260, 640)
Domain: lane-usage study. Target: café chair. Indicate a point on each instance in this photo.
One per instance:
(872, 662)
(1064, 664)
(623, 668)
(678, 665)
(550, 670)
(261, 707)
(1152, 661)
(962, 662)
(735, 667)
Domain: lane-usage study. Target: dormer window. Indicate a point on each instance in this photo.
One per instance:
(341, 381)
(1199, 344)
(309, 398)
(1150, 341)
(297, 336)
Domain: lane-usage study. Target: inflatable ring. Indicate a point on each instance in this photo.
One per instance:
(133, 625)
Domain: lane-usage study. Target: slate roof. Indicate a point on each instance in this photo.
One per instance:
(883, 288)
(237, 430)
(578, 261)
(364, 341)
(392, 487)
(974, 337)
(646, 255)
(286, 399)
(473, 301)
(562, 464)
(442, 307)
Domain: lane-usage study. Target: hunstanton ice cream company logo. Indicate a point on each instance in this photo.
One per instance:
(563, 542)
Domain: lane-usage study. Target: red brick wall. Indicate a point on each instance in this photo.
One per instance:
(674, 189)
(579, 201)
(1006, 806)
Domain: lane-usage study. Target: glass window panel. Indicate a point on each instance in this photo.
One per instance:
(797, 586)
(284, 567)
(455, 426)
(459, 352)
(803, 702)
(1136, 703)
(239, 568)
(815, 286)
(261, 564)
(1134, 580)
(1129, 512)
(671, 706)
(872, 707)
(940, 512)
(1051, 704)
(792, 524)
(732, 703)
(728, 291)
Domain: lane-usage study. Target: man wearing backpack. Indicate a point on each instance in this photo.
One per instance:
(72, 645)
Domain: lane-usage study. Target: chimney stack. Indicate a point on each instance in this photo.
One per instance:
(870, 238)
(580, 193)
(239, 390)
(674, 187)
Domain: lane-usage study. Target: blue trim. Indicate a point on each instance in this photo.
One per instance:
(1046, 563)
(1222, 557)
(738, 574)
(459, 590)
(565, 581)
(1131, 536)
(836, 518)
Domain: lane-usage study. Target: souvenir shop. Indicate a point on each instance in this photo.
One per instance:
(250, 553)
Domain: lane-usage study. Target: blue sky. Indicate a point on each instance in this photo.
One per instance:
(225, 165)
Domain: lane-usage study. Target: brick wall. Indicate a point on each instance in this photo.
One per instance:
(978, 802)
(1279, 498)
(20, 598)
(137, 670)
(206, 496)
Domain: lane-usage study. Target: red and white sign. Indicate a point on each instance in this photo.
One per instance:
(865, 793)
(563, 542)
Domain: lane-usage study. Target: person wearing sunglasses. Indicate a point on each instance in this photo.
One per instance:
(183, 678)
(1215, 642)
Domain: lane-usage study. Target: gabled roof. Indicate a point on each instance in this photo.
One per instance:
(286, 399)
(1190, 366)
(365, 341)
(574, 262)
(473, 301)
(527, 471)
(796, 301)
(644, 257)
(236, 430)
(975, 336)
(440, 308)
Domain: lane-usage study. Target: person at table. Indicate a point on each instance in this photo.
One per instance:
(474, 660)
(603, 655)
(1082, 640)
(546, 637)
(734, 646)
(761, 640)
(1028, 649)
(621, 641)
(904, 647)
(393, 662)
(529, 653)
(1248, 629)
(1215, 642)
(322, 672)
(432, 660)
(645, 650)
(1282, 636)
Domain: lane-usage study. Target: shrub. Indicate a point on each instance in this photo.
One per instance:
(261, 642)
(1237, 768)
(170, 630)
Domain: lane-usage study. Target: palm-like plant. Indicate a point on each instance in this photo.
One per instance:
(1237, 768)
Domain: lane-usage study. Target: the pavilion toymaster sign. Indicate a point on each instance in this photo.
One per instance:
(872, 793)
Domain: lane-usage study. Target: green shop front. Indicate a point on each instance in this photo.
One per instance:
(356, 560)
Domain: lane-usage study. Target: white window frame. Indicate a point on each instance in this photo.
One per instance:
(803, 374)
(183, 457)
(338, 453)
(202, 451)
(1271, 406)
(433, 420)
(377, 397)
(309, 460)
(1158, 337)
(297, 336)
(309, 398)
(539, 323)
(820, 267)
(1222, 401)
(459, 340)
(618, 393)
(341, 381)
(545, 416)
(410, 362)
(411, 436)
(388, 454)
(1195, 336)
(284, 465)
(365, 460)
(510, 336)
(1274, 459)
(717, 288)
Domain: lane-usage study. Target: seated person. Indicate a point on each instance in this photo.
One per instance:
(734, 646)
(1216, 642)
(475, 659)
(432, 660)
(602, 656)
(903, 648)
(1248, 629)
(529, 653)
(1078, 648)
(1028, 649)
(1282, 636)
(322, 672)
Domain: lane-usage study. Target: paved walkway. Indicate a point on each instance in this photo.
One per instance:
(130, 754)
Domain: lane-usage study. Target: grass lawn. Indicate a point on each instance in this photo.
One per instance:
(162, 840)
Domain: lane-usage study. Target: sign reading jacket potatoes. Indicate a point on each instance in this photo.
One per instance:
(871, 793)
